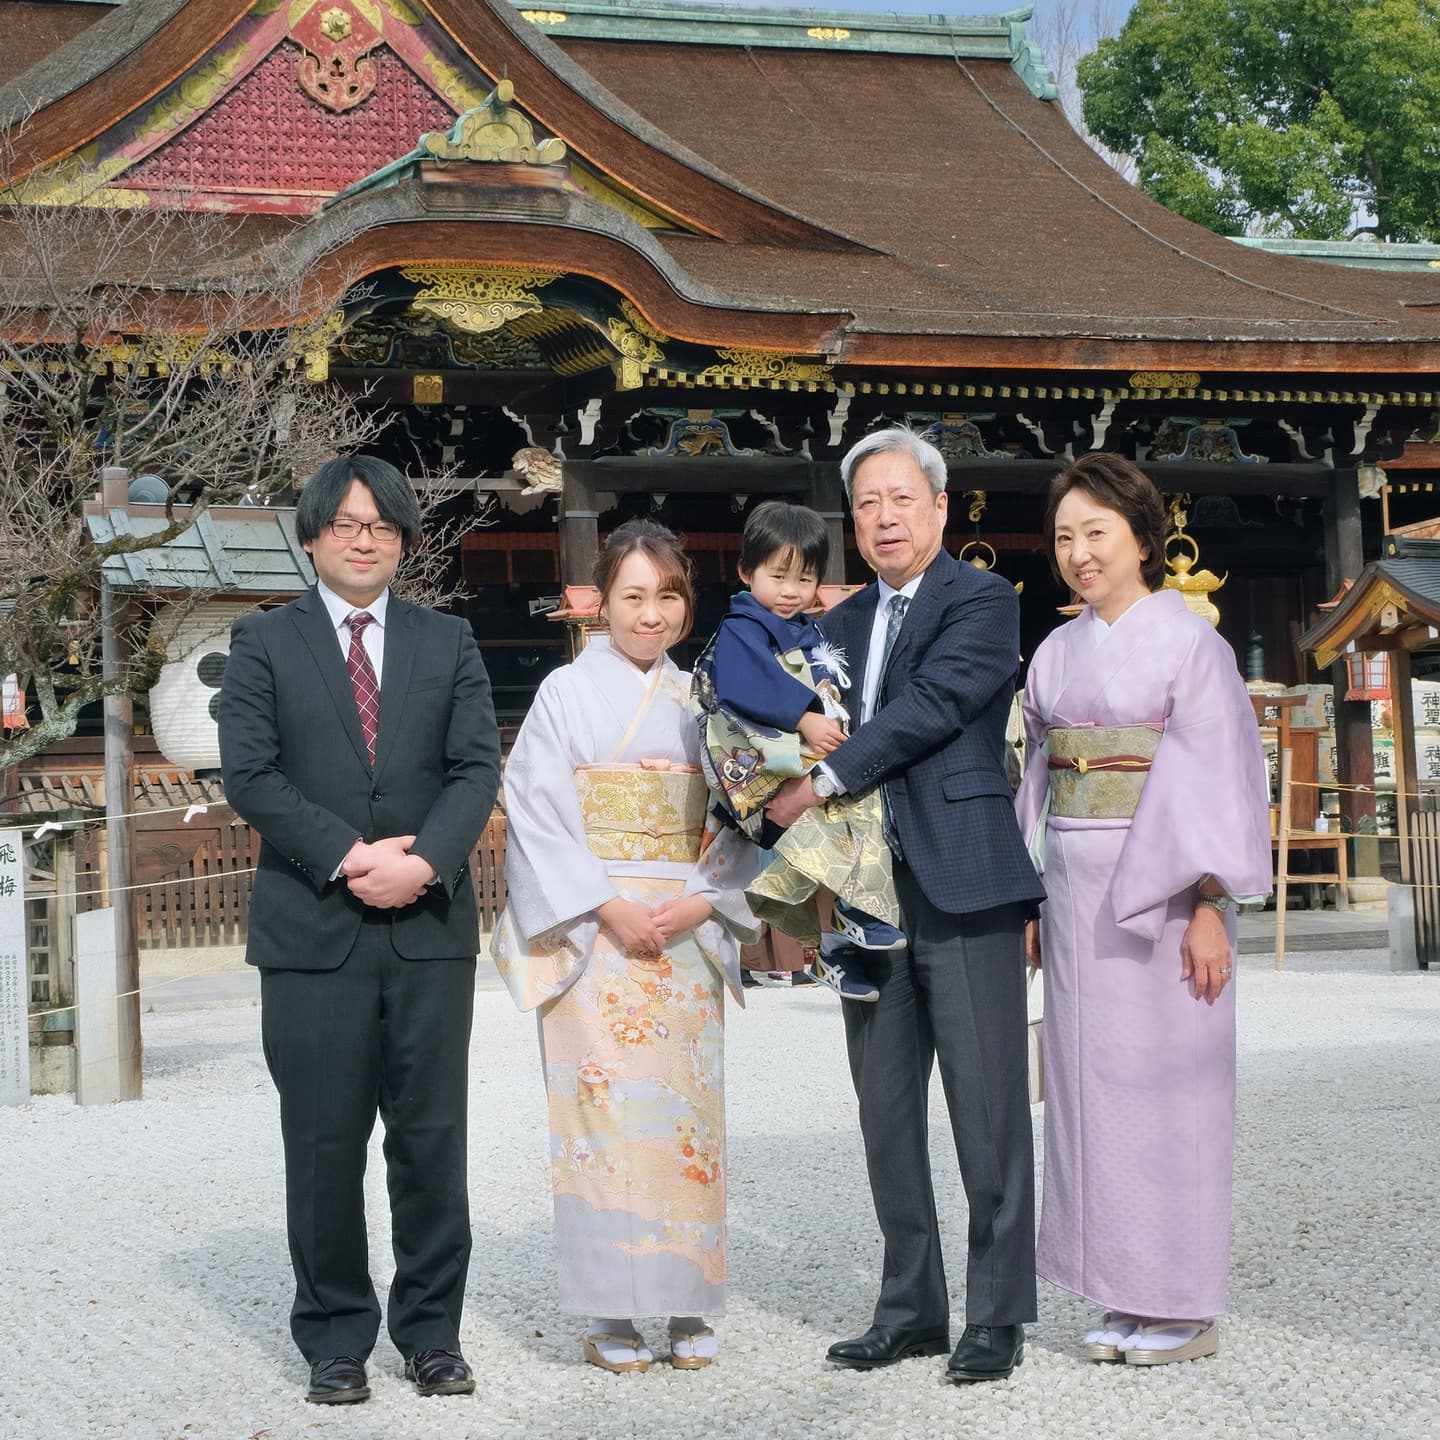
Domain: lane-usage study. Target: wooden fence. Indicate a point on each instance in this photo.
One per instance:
(203, 896)
(1425, 875)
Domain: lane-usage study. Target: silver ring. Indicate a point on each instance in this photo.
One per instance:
(1225, 974)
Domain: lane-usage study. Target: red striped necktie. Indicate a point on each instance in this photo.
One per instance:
(362, 678)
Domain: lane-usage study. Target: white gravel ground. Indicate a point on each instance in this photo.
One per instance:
(146, 1284)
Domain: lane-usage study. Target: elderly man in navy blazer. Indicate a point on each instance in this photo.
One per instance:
(934, 647)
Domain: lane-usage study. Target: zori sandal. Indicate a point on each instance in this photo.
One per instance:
(682, 1348)
(590, 1345)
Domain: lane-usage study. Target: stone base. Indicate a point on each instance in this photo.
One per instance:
(1366, 890)
(1403, 955)
(52, 1069)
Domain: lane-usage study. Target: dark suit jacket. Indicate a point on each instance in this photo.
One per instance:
(295, 766)
(936, 740)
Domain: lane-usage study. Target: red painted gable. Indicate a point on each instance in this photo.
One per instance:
(268, 142)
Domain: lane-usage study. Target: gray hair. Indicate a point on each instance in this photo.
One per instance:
(897, 440)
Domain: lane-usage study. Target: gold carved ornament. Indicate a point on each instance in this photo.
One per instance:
(494, 130)
(317, 346)
(196, 92)
(452, 83)
(739, 367)
(477, 298)
(592, 185)
(634, 338)
(1195, 586)
(1164, 380)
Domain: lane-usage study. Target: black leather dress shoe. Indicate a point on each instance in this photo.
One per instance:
(884, 1345)
(340, 1381)
(440, 1372)
(987, 1352)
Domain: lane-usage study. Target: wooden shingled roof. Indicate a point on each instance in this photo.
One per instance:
(1394, 603)
(897, 199)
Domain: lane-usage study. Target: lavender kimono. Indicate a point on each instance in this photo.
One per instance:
(1139, 1074)
(603, 797)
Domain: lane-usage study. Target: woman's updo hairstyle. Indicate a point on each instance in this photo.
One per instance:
(661, 547)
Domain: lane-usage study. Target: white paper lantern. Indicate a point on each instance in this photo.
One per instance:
(185, 700)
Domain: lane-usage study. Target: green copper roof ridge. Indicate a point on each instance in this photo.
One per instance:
(707, 22)
(682, 10)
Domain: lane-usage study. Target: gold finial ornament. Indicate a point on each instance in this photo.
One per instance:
(1195, 586)
(495, 130)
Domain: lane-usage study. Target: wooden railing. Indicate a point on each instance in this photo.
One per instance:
(203, 898)
(207, 900)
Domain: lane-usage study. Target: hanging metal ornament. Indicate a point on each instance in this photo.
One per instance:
(1195, 586)
(977, 551)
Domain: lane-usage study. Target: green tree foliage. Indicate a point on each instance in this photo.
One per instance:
(1311, 118)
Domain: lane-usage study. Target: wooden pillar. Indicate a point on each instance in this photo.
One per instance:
(827, 495)
(1354, 744)
(119, 823)
(579, 526)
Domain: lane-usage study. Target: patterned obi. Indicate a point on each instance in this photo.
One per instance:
(1097, 773)
(645, 812)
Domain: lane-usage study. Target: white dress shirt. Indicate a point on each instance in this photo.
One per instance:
(878, 626)
(372, 637)
(874, 658)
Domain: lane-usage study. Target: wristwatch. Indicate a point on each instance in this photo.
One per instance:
(1216, 902)
(823, 785)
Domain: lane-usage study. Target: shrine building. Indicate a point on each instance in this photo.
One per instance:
(619, 258)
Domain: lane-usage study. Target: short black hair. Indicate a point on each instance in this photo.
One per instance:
(777, 528)
(322, 497)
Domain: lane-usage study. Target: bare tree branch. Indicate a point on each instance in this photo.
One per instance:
(130, 338)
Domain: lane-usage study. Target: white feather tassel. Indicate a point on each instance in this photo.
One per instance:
(832, 657)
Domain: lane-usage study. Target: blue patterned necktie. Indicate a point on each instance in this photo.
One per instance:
(898, 605)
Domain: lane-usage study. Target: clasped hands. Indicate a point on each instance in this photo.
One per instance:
(651, 929)
(385, 874)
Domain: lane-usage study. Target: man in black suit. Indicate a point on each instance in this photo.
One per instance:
(934, 648)
(357, 735)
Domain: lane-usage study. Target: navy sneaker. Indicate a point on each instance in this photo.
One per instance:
(841, 967)
(865, 930)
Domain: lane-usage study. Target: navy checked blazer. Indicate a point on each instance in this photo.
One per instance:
(937, 736)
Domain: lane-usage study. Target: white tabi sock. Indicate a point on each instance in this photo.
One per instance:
(690, 1338)
(619, 1354)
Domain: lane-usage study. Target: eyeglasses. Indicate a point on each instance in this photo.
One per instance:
(381, 531)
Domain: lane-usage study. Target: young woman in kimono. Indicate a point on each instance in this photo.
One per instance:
(1146, 805)
(621, 929)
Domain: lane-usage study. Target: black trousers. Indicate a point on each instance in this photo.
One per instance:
(384, 1035)
(957, 993)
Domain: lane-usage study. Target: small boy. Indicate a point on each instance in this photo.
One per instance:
(769, 691)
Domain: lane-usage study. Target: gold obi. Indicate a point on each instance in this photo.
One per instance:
(642, 812)
(1098, 773)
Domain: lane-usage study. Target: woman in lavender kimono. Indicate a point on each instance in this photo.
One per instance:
(1146, 806)
(621, 928)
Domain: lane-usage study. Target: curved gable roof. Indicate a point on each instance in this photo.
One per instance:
(98, 79)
